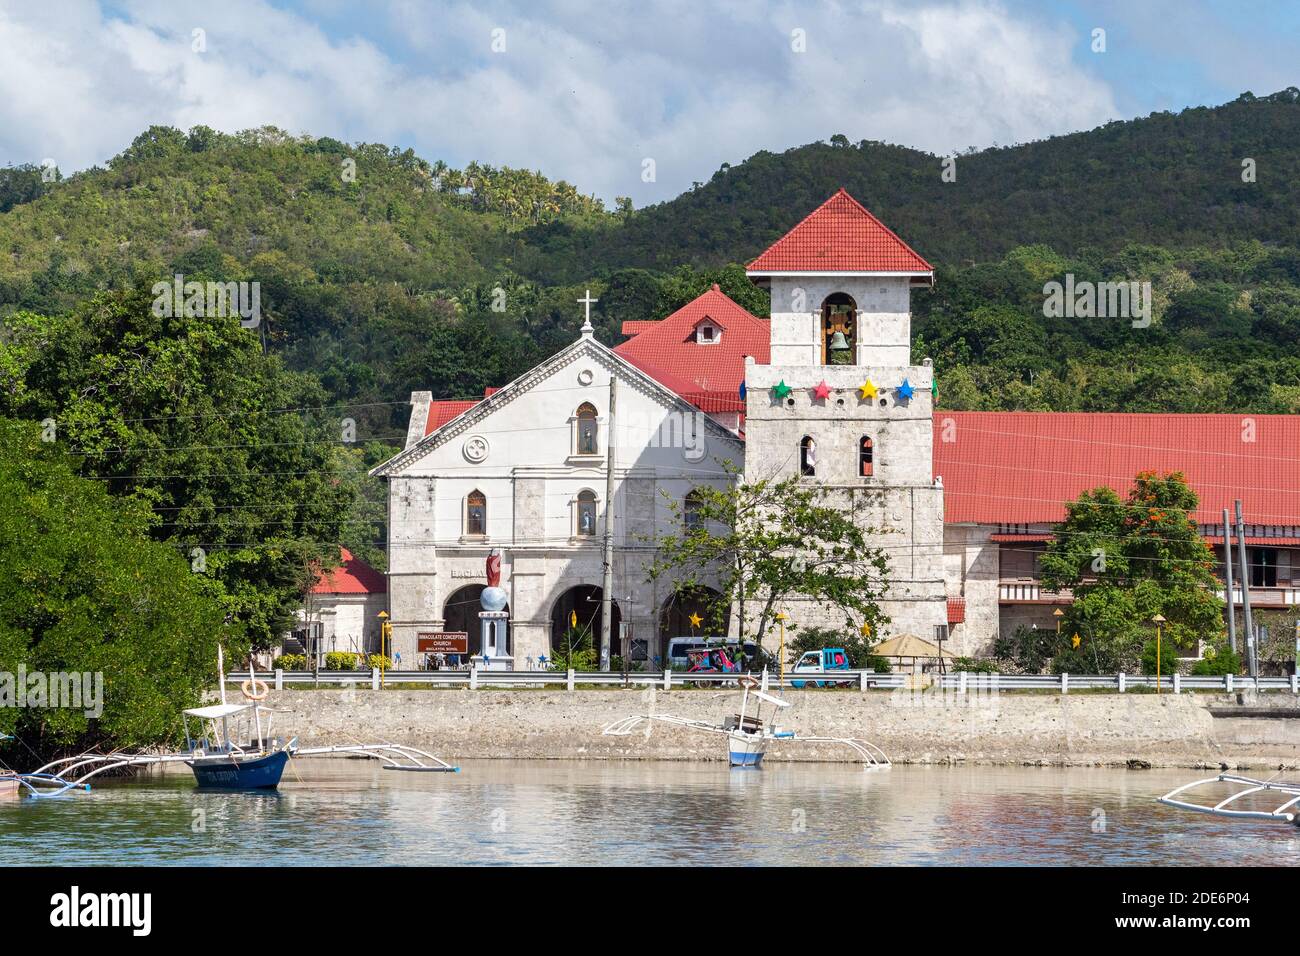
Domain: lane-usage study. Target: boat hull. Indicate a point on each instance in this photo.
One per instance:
(744, 750)
(223, 773)
(8, 787)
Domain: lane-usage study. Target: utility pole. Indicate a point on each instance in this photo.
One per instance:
(1248, 621)
(1227, 579)
(607, 585)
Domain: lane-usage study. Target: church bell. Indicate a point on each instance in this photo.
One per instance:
(838, 342)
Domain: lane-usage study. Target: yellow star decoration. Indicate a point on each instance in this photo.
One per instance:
(1074, 642)
(866, 629)
(867, 390)
(695, 620)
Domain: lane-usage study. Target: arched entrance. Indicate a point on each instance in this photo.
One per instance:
(584, 601)
(460, 613)
(703, 602)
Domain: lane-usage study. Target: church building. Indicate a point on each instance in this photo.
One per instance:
(827, 389)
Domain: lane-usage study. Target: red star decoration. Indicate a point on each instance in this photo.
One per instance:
(822, 390)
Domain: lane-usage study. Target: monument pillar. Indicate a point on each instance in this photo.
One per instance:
(494, 653)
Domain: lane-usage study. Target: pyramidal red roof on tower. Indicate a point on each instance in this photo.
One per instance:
(840, 235)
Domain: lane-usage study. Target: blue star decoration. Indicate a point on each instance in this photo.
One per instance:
(905, 390)
(742, 389)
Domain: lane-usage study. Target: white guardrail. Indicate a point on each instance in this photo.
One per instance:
(960, 682)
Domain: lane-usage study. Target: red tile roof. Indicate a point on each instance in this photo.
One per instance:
(667, 350)
(1282, 542)
(840, 235)
(1021, 467)
(352, 576)
(441, 412)
(956, 610)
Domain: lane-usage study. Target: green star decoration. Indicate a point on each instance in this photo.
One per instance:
(781, 390)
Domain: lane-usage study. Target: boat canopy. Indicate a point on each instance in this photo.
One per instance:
(217, 711)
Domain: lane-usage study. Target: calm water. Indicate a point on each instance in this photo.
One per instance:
(592, 813)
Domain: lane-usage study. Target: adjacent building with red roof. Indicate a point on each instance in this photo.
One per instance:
(342, 610)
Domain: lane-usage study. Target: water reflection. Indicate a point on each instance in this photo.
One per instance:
(592, 813)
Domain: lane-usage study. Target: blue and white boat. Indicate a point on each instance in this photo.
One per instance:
(233, 750)
(748, 737)
(220, 763)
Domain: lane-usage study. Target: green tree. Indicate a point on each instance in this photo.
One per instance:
(190, 414)
(766, 542)
(1127, 560)
(83, 589)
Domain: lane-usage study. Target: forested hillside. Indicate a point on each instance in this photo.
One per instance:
(381, 272)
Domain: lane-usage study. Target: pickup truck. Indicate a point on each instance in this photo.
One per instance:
(827, 659)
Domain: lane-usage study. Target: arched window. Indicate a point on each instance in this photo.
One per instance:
(476, 514)
(584, 434)
(585, 513)
(865, 450)
(839, 330)
(807, 456)
(691, 512)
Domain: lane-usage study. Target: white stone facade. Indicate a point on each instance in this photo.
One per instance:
(520, 450)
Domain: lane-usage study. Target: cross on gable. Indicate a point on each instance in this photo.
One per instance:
(586, 301)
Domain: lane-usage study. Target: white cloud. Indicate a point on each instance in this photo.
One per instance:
(579, 96)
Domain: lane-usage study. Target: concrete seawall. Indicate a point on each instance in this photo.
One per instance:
(1072, 730)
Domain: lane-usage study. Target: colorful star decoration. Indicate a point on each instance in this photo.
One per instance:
(934, 389)
(822, 390)
(742, 389)
(695, 620)
(867, 390)
(781, 390)
(1074, 642)
(906, 390)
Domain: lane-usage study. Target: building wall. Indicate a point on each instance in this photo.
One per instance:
(531, 478)
(884, 320)
(899, 505)
(971, 571)
(349, 622)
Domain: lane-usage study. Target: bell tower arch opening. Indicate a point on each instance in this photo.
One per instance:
(839, 329)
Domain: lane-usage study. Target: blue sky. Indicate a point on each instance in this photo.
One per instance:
(589, 97)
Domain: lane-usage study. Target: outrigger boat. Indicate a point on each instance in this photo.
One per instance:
(217, 758)
(747, 735)
(1288, 811)
(36, 784)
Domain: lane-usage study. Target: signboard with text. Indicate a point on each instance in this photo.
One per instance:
(442, 642)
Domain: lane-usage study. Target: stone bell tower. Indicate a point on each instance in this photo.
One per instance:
(841, 404)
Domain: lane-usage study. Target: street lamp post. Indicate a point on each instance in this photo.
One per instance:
(781, 619)
(1058, 614)
(1158, 620)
